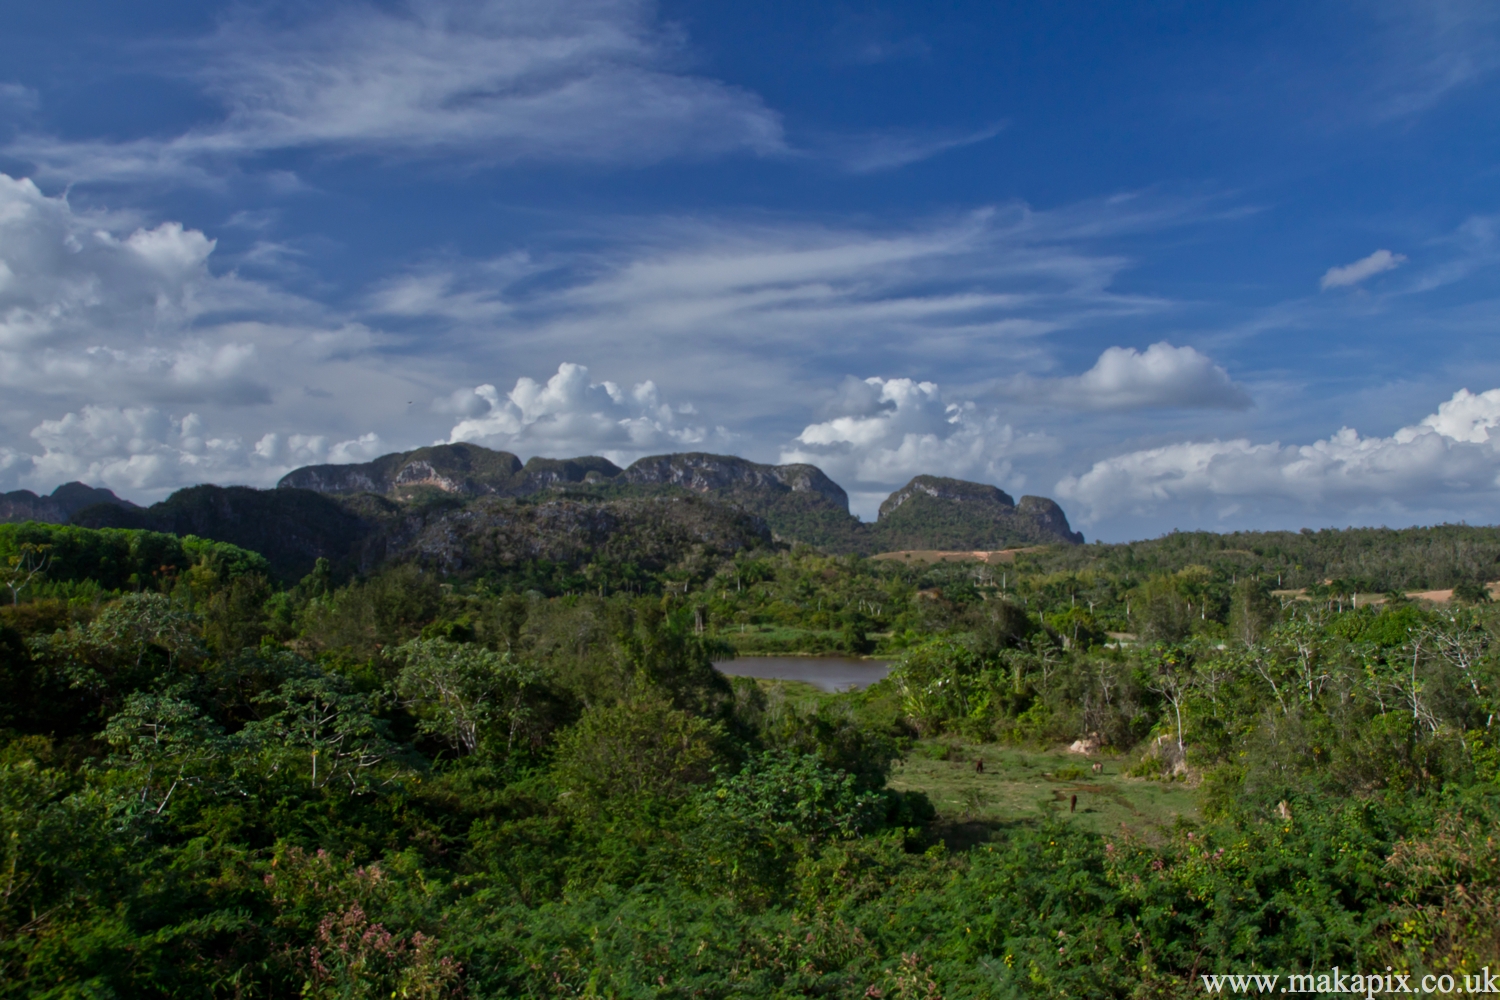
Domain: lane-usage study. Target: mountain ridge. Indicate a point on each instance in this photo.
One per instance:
(467, 509)
(798, 501)
(57, 507)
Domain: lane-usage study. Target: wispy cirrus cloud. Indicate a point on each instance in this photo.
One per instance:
(1366, 267)
(476, 81)
(1430, 49)
(892, 149)
(738, 307)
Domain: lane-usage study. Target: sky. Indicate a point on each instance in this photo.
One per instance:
(1176, 265)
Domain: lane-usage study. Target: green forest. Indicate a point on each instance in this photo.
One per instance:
(1094, 771)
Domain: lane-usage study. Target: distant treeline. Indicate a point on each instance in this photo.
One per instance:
(1373, 559)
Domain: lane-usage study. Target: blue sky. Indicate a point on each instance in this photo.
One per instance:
(1176, 264)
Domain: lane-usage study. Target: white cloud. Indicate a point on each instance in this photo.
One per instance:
(145, 453)
(139, 449)
(497, 81)
(12, 464)
(890, 150)
(1431, 49)
(1126, 379)
(288, 451)
(569, 416)
(118, 343)
(1365, 267)
(754, 311)
(893, 429)
(747, 316)
(16, 98)
(1448, 461)
(84, 307)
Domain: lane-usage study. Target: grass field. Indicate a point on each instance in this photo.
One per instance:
(1019, 786)
(778, 639)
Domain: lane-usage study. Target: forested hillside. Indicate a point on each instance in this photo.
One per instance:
(424, 779)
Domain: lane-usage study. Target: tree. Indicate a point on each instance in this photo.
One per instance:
(1162, 612)
(1462, 643)
(123, 649)
(319, 717)
(24, 567)
(167, 740)
(460, 691)
(1252, 611)
(780, 794)
(638, 750)
(1173, 679)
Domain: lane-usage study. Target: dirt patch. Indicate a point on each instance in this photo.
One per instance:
(925, 556)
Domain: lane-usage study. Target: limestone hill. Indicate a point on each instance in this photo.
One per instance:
(473, 511)
(62, 504)
(798, 502)
(546, 540)
(931, 512)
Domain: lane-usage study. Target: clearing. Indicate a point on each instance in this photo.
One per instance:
(1024, 785)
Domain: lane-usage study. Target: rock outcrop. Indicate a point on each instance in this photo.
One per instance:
(932, 512)
(449, 468)
(799, 502)
(940, 488)
(728, 474)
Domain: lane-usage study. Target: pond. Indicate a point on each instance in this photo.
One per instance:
(831, 673)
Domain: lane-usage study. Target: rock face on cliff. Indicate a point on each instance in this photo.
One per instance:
(798, 502)
(465, 469)
(59, 507)
(932, 512)
(475, 471)
(728, 474)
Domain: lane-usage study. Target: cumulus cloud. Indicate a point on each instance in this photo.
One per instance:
(136, 448)
(144, 452)
(90, 299)
(1447, 461)
(890, 430)
(1365, 267)
(495, 80)
(570, 415)
(1126, 379)
(66, 274)
(119, 342)
(287, 451)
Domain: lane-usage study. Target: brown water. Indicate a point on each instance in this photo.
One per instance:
(831, 673)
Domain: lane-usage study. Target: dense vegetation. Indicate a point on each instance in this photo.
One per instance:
(491, 784)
